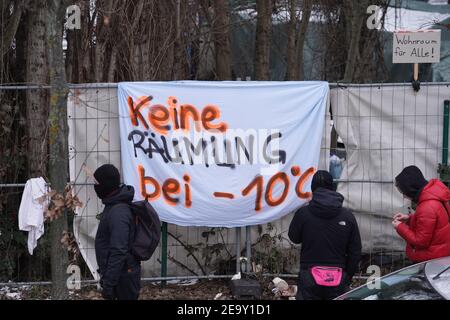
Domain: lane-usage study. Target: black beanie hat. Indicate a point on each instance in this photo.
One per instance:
(322, 179)
(108, 178)
(410, 182)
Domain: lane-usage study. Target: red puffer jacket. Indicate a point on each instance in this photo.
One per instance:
(427, 233)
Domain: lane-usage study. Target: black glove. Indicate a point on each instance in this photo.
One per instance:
(107, 293)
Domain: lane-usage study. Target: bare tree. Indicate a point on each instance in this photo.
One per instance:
(58, 140)
(351, 52)
(36, 100)
(79, 64)
(263, 39)
(222, 45)
(296, 40)
(13, 10)
(301, 37)
(355, 16)
(371, 66)
(108, 37)
(291, 52)
(132, 40)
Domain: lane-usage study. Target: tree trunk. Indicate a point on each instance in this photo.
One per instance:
(79, 50)
(37, 102)
(296, 41)
(301, 37)
(263, 39)
(206, 60)
(222, 45)
(177, 46)
(58, 140)
(372, 67)
(109, 13)
(9, 30)
(291, 52)
(355, 18)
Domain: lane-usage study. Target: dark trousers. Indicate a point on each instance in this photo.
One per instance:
(309, 290)
(129, 285)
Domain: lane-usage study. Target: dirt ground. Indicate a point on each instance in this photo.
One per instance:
(183, 290)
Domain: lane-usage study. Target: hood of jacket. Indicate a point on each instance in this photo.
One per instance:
(326, 204)
(411, 182)
(124, 195)
(435, 190)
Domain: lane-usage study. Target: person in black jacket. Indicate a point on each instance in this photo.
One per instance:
(120, 271)
(331, 243)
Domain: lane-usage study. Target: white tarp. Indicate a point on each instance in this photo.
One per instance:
(221, 154)
(94, 140)
(386, 128)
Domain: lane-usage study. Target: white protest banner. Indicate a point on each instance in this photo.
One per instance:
(221, 154)
(417, 46)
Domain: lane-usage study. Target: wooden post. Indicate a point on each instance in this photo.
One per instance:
(416, 71)
(416, 82)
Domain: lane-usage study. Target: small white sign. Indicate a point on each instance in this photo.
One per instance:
(417, 46)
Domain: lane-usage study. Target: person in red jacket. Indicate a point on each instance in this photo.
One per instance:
(427, 231)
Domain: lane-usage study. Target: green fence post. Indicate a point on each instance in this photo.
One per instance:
(164, 253)
(445, 138)
(444, 170)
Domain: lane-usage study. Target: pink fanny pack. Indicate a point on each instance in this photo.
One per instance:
(327, 276)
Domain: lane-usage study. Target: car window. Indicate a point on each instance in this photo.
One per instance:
(438, 275)
(407, 284)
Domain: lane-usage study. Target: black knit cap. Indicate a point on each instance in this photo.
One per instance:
(410, 182)
(322, 179)
(108, 178)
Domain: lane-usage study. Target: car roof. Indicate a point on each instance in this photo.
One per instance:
(442, 283)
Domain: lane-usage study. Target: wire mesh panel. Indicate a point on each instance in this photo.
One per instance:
(386, 128)
(92, 143)
(192, 251)
(381, 128)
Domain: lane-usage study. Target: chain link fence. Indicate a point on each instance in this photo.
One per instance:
(361, 147)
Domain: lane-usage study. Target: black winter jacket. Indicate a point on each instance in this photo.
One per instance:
(114, 235)
(328, 233)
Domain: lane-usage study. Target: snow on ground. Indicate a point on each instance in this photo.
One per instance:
(13, 293)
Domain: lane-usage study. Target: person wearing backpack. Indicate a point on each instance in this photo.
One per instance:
(119, 269)
(427, 231)
(331, 243)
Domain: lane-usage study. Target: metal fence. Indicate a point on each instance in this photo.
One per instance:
(195, 252)
(386, 127)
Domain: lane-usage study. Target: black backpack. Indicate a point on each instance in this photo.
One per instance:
(147, 231)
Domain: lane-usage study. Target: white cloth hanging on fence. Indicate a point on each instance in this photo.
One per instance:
(31, 211)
